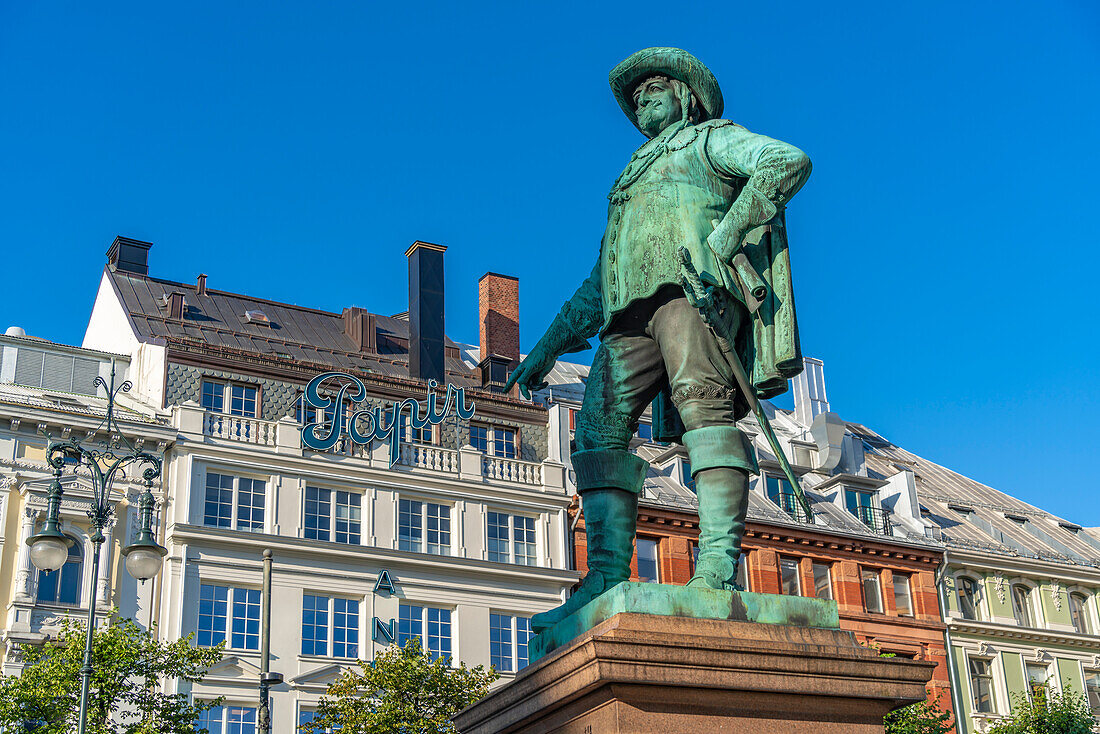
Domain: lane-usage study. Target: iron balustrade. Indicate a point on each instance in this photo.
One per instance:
(876, 518)
(788, 502)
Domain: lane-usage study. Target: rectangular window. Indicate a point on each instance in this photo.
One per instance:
(213, 396)
(981, 685)
(742, 570)
(903, 595)
(322, 514)
(573, 419)
(238, 610)
(778, 490)
(511, 538)
(647, 560)
(308, 716)
(1092, 688)
(242, 401)
(1036, 681)
(790, 583)
(246, 619)
(504, 443)
(227, 720)
(872, 591)
(823, 581)
(325, 618)
(479, 437)
(419, 520)
(413, 620)
(234, 502)
(508, 640)
(645, 431)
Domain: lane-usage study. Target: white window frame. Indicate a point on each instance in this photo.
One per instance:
(332, 513)
(512, 536)
(979, 611)
(1034, 602)
(1090, 607)
(656, 556)
(230, 599)
(863, 590)
(424, 634)
(995, 703)
(490, 439)
(908, 575)
(330, 626)
(227, 395)
(513, 618)
(452, 532)
(797, 575)
(234, 516)
(226, 705)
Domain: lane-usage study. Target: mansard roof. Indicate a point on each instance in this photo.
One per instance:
(217, 320)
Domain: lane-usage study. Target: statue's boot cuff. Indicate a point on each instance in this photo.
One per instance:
(609, 469)
(713, 447)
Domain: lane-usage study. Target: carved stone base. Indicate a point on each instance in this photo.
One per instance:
(646, 674)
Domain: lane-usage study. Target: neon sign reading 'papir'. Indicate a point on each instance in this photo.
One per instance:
(371, 423)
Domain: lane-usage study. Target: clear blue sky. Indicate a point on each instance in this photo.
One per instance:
(945, 248)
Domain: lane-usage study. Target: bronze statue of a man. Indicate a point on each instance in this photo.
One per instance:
(712, 187)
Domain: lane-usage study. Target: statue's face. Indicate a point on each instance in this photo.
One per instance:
(657, 105)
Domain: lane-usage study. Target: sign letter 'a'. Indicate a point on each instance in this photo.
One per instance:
(384, 583)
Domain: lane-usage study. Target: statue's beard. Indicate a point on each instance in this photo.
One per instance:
(654, 118)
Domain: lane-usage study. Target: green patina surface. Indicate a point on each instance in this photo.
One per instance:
(681, 601)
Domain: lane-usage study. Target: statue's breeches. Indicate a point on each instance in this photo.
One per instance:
(659, 341)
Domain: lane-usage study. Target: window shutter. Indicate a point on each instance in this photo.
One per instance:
(57, 373)
(84, 372)
(28, 367)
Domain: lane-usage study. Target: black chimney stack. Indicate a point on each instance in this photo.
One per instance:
(426, 354)
(131, 256)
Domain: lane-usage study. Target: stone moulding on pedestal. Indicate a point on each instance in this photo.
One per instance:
(656, 674)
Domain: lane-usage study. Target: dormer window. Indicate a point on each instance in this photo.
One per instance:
(862, 504)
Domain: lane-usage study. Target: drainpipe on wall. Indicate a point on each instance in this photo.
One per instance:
(956, 685)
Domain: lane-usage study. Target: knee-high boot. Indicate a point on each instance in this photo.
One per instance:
(723, 502)
(609, 481)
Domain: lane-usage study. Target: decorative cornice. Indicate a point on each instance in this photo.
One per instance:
(1025, 634)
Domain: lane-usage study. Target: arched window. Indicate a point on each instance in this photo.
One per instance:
(1079, 614)
(63, 586)
(969, 595)
(1021, 605)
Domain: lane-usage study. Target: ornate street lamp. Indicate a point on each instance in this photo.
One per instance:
(105, 460)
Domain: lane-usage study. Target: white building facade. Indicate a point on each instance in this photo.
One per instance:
(457, 543)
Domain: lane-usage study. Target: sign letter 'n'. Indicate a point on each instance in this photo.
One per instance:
(384, 633)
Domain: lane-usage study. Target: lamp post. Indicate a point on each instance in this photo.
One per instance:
(105, 461)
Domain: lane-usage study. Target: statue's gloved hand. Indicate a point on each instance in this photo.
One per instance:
(531, 373)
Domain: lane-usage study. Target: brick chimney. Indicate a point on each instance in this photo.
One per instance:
(426, 325)
(360, 326)
(498, 313)
(130, 256)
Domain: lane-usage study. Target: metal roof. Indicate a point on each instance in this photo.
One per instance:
(296, 333)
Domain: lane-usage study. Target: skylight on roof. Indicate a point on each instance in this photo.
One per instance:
(257, 316)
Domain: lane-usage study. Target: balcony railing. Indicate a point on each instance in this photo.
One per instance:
(789, 503)
(238, 428)
(466, 463)
(511, 470)
(876, 518)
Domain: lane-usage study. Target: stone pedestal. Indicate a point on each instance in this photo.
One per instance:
(643, 673)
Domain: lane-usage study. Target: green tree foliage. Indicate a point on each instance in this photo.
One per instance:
(129, 666)
(924, 717)
(1049, 713)
(402, 692)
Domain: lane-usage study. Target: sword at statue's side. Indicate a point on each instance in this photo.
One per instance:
(703, 297)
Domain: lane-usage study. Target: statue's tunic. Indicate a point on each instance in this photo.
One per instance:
(676, 188)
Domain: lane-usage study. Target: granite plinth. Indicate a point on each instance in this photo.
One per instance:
(681, 601)
(649, 674)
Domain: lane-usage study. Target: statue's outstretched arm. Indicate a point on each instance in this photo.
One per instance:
(775, 171)
(578, 321)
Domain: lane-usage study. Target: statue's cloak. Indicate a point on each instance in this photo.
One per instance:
(768, 344)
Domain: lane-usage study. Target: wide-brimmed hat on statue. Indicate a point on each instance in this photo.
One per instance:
(673, 62)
